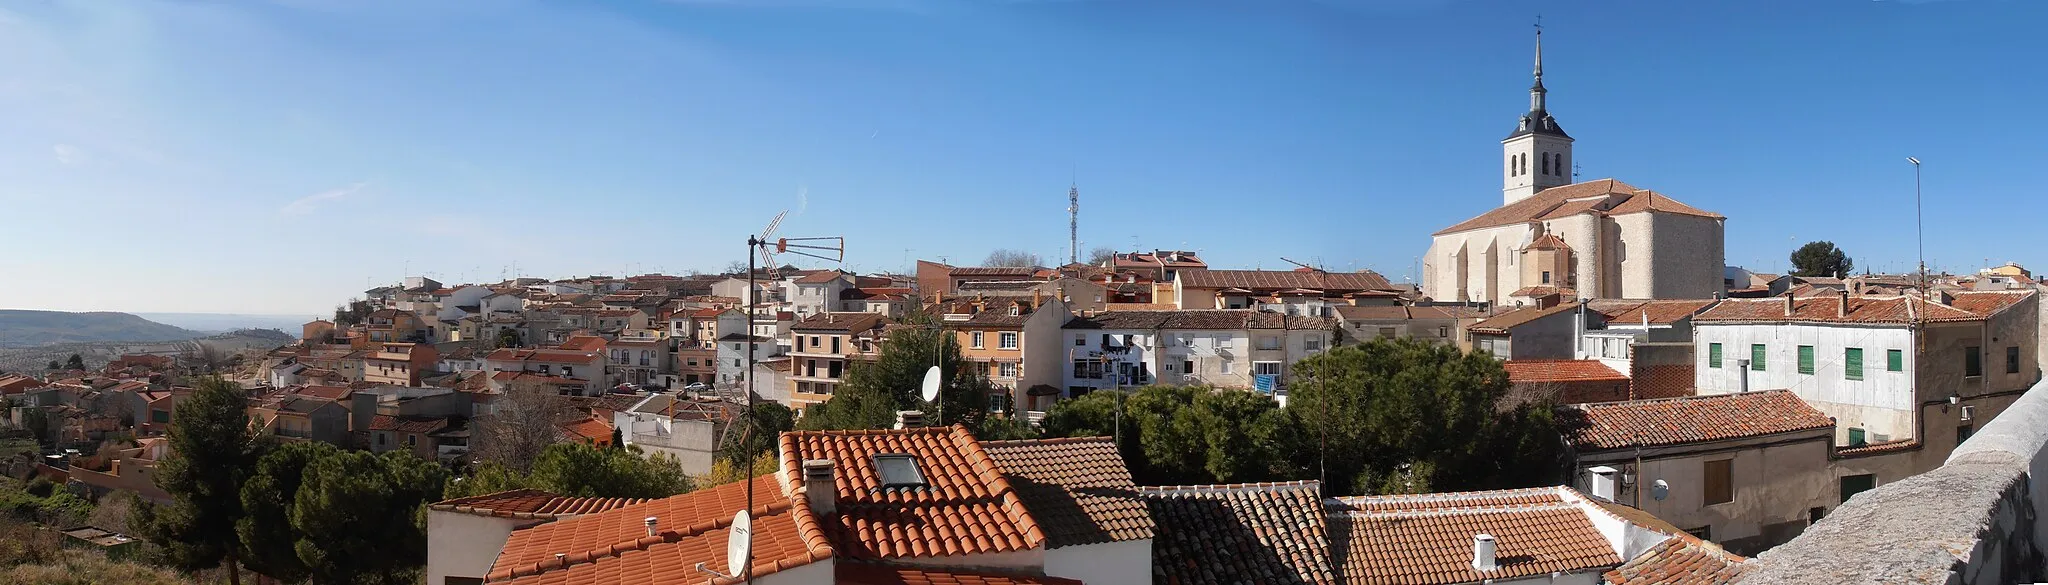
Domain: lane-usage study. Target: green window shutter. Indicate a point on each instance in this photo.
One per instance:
(1756, 356)
(1852, 363)
(1894, 360)
(1713, 355)
(1806, 359)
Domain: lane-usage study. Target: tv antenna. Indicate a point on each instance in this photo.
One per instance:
(764, 247)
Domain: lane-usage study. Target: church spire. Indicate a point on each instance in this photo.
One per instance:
(1536, 92)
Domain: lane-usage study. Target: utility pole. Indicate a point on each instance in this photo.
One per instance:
(1919, 225)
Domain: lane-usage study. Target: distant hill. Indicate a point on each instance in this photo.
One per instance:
(221, 322)
(22, 328)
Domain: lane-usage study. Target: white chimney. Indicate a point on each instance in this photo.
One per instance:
(1842, 310)
(909, 419)
(1788, 304)
(820, 488)
(1742, 366)
(651, 522)
(1482, 553)
(1601, 481)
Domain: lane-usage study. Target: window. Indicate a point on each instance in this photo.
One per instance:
(1852, 363)
(1081, 340)
(1894, 360)
(832, 369)
(1973, 361)
(1313, 343)
(1963, 432)
(567, 372)
(814, 341)
(381, 439)
(1187, 366)
(1546, 277)
(1756, 357)
(1223, 366)
(1444, 332)
(1007, 370)
(1168, 366)
(835, 344)
(161, 416)
(974, 339)
(898, 471)
(1856, 484)
(1806, 359)
(2012, 359)
(646, 357)
(1266, 368)
(1006, 340)
(1720, 482)
(1269, 342)
(1713, 355)
(1545, 163)
(1387, 332)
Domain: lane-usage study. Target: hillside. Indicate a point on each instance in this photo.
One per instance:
(209, 323)
(22, 328)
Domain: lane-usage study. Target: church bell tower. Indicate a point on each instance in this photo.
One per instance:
(1538, 155)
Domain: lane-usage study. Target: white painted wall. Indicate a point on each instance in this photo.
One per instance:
(1109, 563)
(1882, 402)
(465, 545)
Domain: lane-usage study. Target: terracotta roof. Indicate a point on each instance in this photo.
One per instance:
(326, 392)
(1693, 419)
(1602, 196)
(1659, 312)
(839, 322)
(1270, 280)
(1879, 448)
(1199, 319)
(1540, 291)
(1500, 324)
(1823, 309)
(873, 574)
(613, 546)
(1985, 303)
(819, 277)
(590, 429)
(1541, 371)
(530, 503)
(1078, 489)
(1679, 561)
(543, 355)
(407, 424)
(991, 271)
(965, 507)
(1244, 533)
(1548, 241)
(1426, 539)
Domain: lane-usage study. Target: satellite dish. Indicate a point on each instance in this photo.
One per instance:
(1659, 490)
(739, 544)
(931, 384)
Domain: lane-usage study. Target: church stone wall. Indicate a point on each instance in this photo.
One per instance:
(1687, 256)
(1582, 233)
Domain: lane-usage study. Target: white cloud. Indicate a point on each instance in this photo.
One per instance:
(307, 204)
(69, 155)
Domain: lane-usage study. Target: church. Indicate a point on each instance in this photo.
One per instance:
(1555, 239)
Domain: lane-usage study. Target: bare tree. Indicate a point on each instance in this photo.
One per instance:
(738, 267)
(521, 424)
(1013, 258)
(1101, 255)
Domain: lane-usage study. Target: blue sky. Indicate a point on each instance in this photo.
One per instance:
(274, 157)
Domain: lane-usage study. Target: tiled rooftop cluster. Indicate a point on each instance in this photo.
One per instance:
(1259, 533)
(1428, 538)
(1669, 421)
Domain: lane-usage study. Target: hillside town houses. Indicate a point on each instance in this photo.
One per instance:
(1714, 412)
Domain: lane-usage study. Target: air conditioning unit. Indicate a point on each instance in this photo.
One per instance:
(1969, 414)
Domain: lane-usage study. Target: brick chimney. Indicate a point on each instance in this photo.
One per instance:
(1842, 310)
(909, 419)
(1788, 304)
(820, 488)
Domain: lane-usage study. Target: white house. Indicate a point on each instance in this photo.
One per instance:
(465, 534)
(1238, 348)
(687, 429)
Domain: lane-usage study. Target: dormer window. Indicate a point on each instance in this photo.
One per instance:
(898, 471)
(1013, 310)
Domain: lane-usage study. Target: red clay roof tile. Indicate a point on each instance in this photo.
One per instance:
(1671, 421)
(964, 494)
(1078, 489)
(1541, 371)
(1426, 539)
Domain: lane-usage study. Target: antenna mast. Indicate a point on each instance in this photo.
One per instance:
(1073, 224)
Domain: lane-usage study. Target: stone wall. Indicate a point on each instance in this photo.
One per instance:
(1971, 521)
